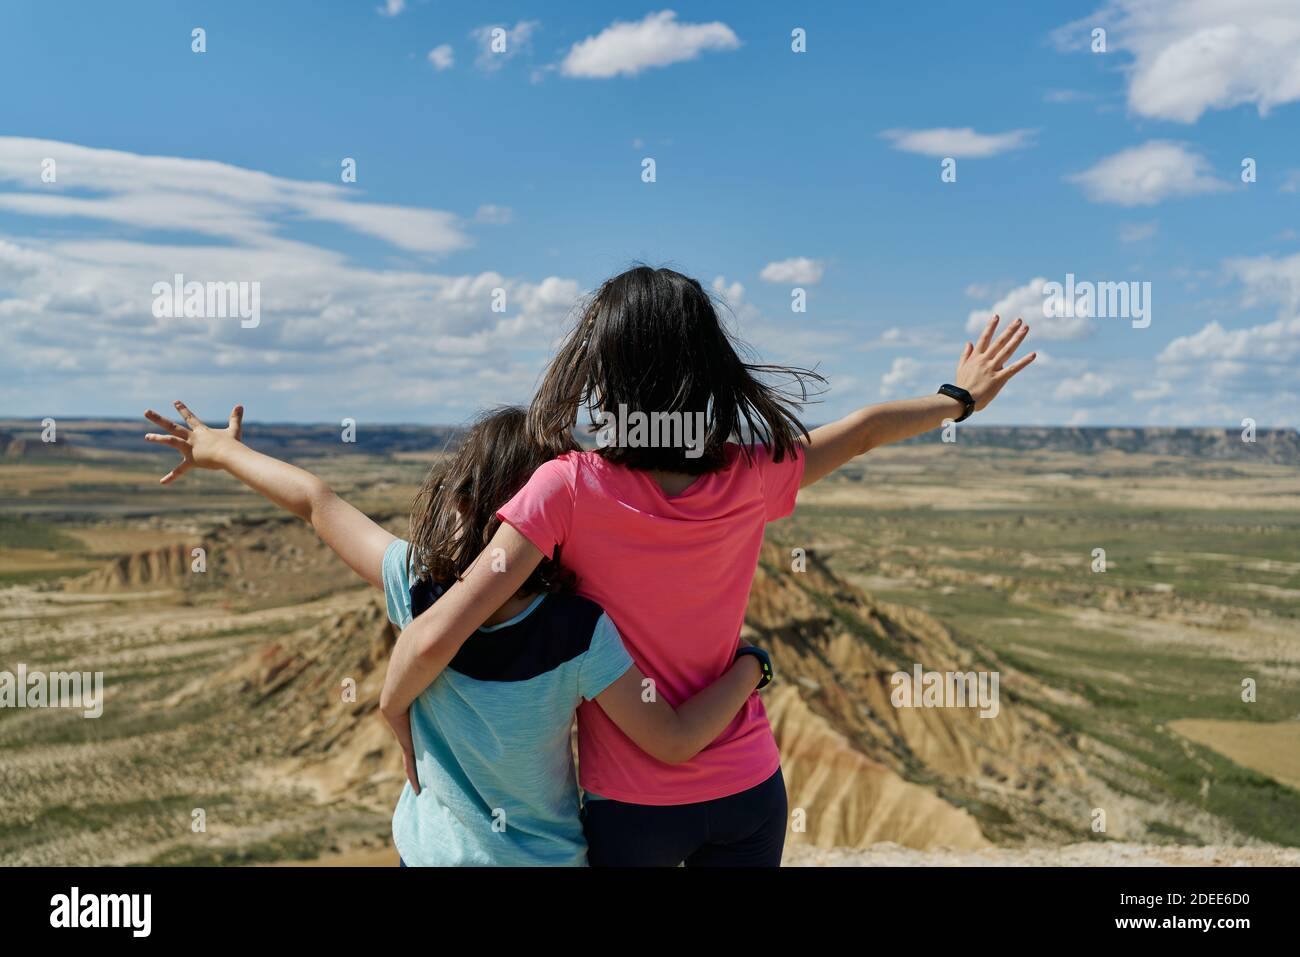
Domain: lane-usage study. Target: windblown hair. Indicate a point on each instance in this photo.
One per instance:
(650, 341)
(453, 516)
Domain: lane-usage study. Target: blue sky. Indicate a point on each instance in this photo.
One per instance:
(521, 170)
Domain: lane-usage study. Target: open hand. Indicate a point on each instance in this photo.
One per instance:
(982, 369)
(199, 446)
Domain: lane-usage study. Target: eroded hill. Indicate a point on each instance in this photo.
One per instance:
(859, 770)
(249, 691)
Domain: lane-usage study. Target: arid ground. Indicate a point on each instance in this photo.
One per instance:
(1149, 712)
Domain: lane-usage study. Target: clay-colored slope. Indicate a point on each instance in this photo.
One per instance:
(249, 563)
(159, 568)
(318, 692)
(839, 648)
(842, 798)
(861, 770)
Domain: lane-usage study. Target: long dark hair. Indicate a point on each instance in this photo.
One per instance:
(650, 341)
(453, 515)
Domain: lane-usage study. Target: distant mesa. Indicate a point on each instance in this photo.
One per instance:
(20, 440)
(16, 447)
(1279, 446)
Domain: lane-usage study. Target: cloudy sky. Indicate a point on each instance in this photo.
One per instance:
(128, 158)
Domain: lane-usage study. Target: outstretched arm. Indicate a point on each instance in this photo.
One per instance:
(353, 536)
(982, 371)
(675, 735)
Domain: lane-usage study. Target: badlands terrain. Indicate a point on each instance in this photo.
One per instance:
(1121, 690)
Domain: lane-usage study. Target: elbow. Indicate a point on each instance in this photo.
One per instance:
(677, 752)
(319, 497)
(387, 706)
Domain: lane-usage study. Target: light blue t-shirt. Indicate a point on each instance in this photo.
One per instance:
(492, 733)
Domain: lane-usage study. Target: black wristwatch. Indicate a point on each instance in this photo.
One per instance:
(764, 662)
(962, 396)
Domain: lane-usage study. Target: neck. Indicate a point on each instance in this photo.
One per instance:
(673, 483)
(511, 608)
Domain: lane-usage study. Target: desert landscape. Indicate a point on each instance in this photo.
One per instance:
(228, 736)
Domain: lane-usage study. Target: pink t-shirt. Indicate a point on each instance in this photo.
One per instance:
(674, 575)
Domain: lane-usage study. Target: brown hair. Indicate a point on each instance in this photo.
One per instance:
(453, 515)
(650, 341)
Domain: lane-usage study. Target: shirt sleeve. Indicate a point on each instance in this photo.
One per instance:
(397, 583)
(605, 660)
(542, 511)
(780, 479)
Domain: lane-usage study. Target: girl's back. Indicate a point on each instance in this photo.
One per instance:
(673, 572)
(492, 735)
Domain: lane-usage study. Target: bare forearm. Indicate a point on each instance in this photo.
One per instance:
(889, 422)
(288, 486)
(353, 536)
(830, 446)
(674, 735)
(704, 716)
(982, 371)
(413, 666)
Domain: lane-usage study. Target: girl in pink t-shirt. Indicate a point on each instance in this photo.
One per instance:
(662, 525)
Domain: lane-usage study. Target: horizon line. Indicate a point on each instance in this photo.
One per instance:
(461, 425)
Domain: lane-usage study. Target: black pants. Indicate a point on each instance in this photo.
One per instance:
(742, 830)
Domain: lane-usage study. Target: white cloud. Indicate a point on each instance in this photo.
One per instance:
(989, 290)
(1271, 342)
(961, 143)
(732, 296)
(392, 8)
(626, 49)
(1260, 351)
(443, 57)
(902, 373)
(494, 215)
(509, 43)
(800, 271)
(1087, 386)
(897, 336)
(1136, 232)
(200, 196)
(1159, 389)
(1269, 280)
(1148, 174)
(80, 308)
(1189, 56)
(733, 293)
(1026, 302)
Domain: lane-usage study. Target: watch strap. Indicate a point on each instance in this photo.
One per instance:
(962, 396)
(764, 663)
